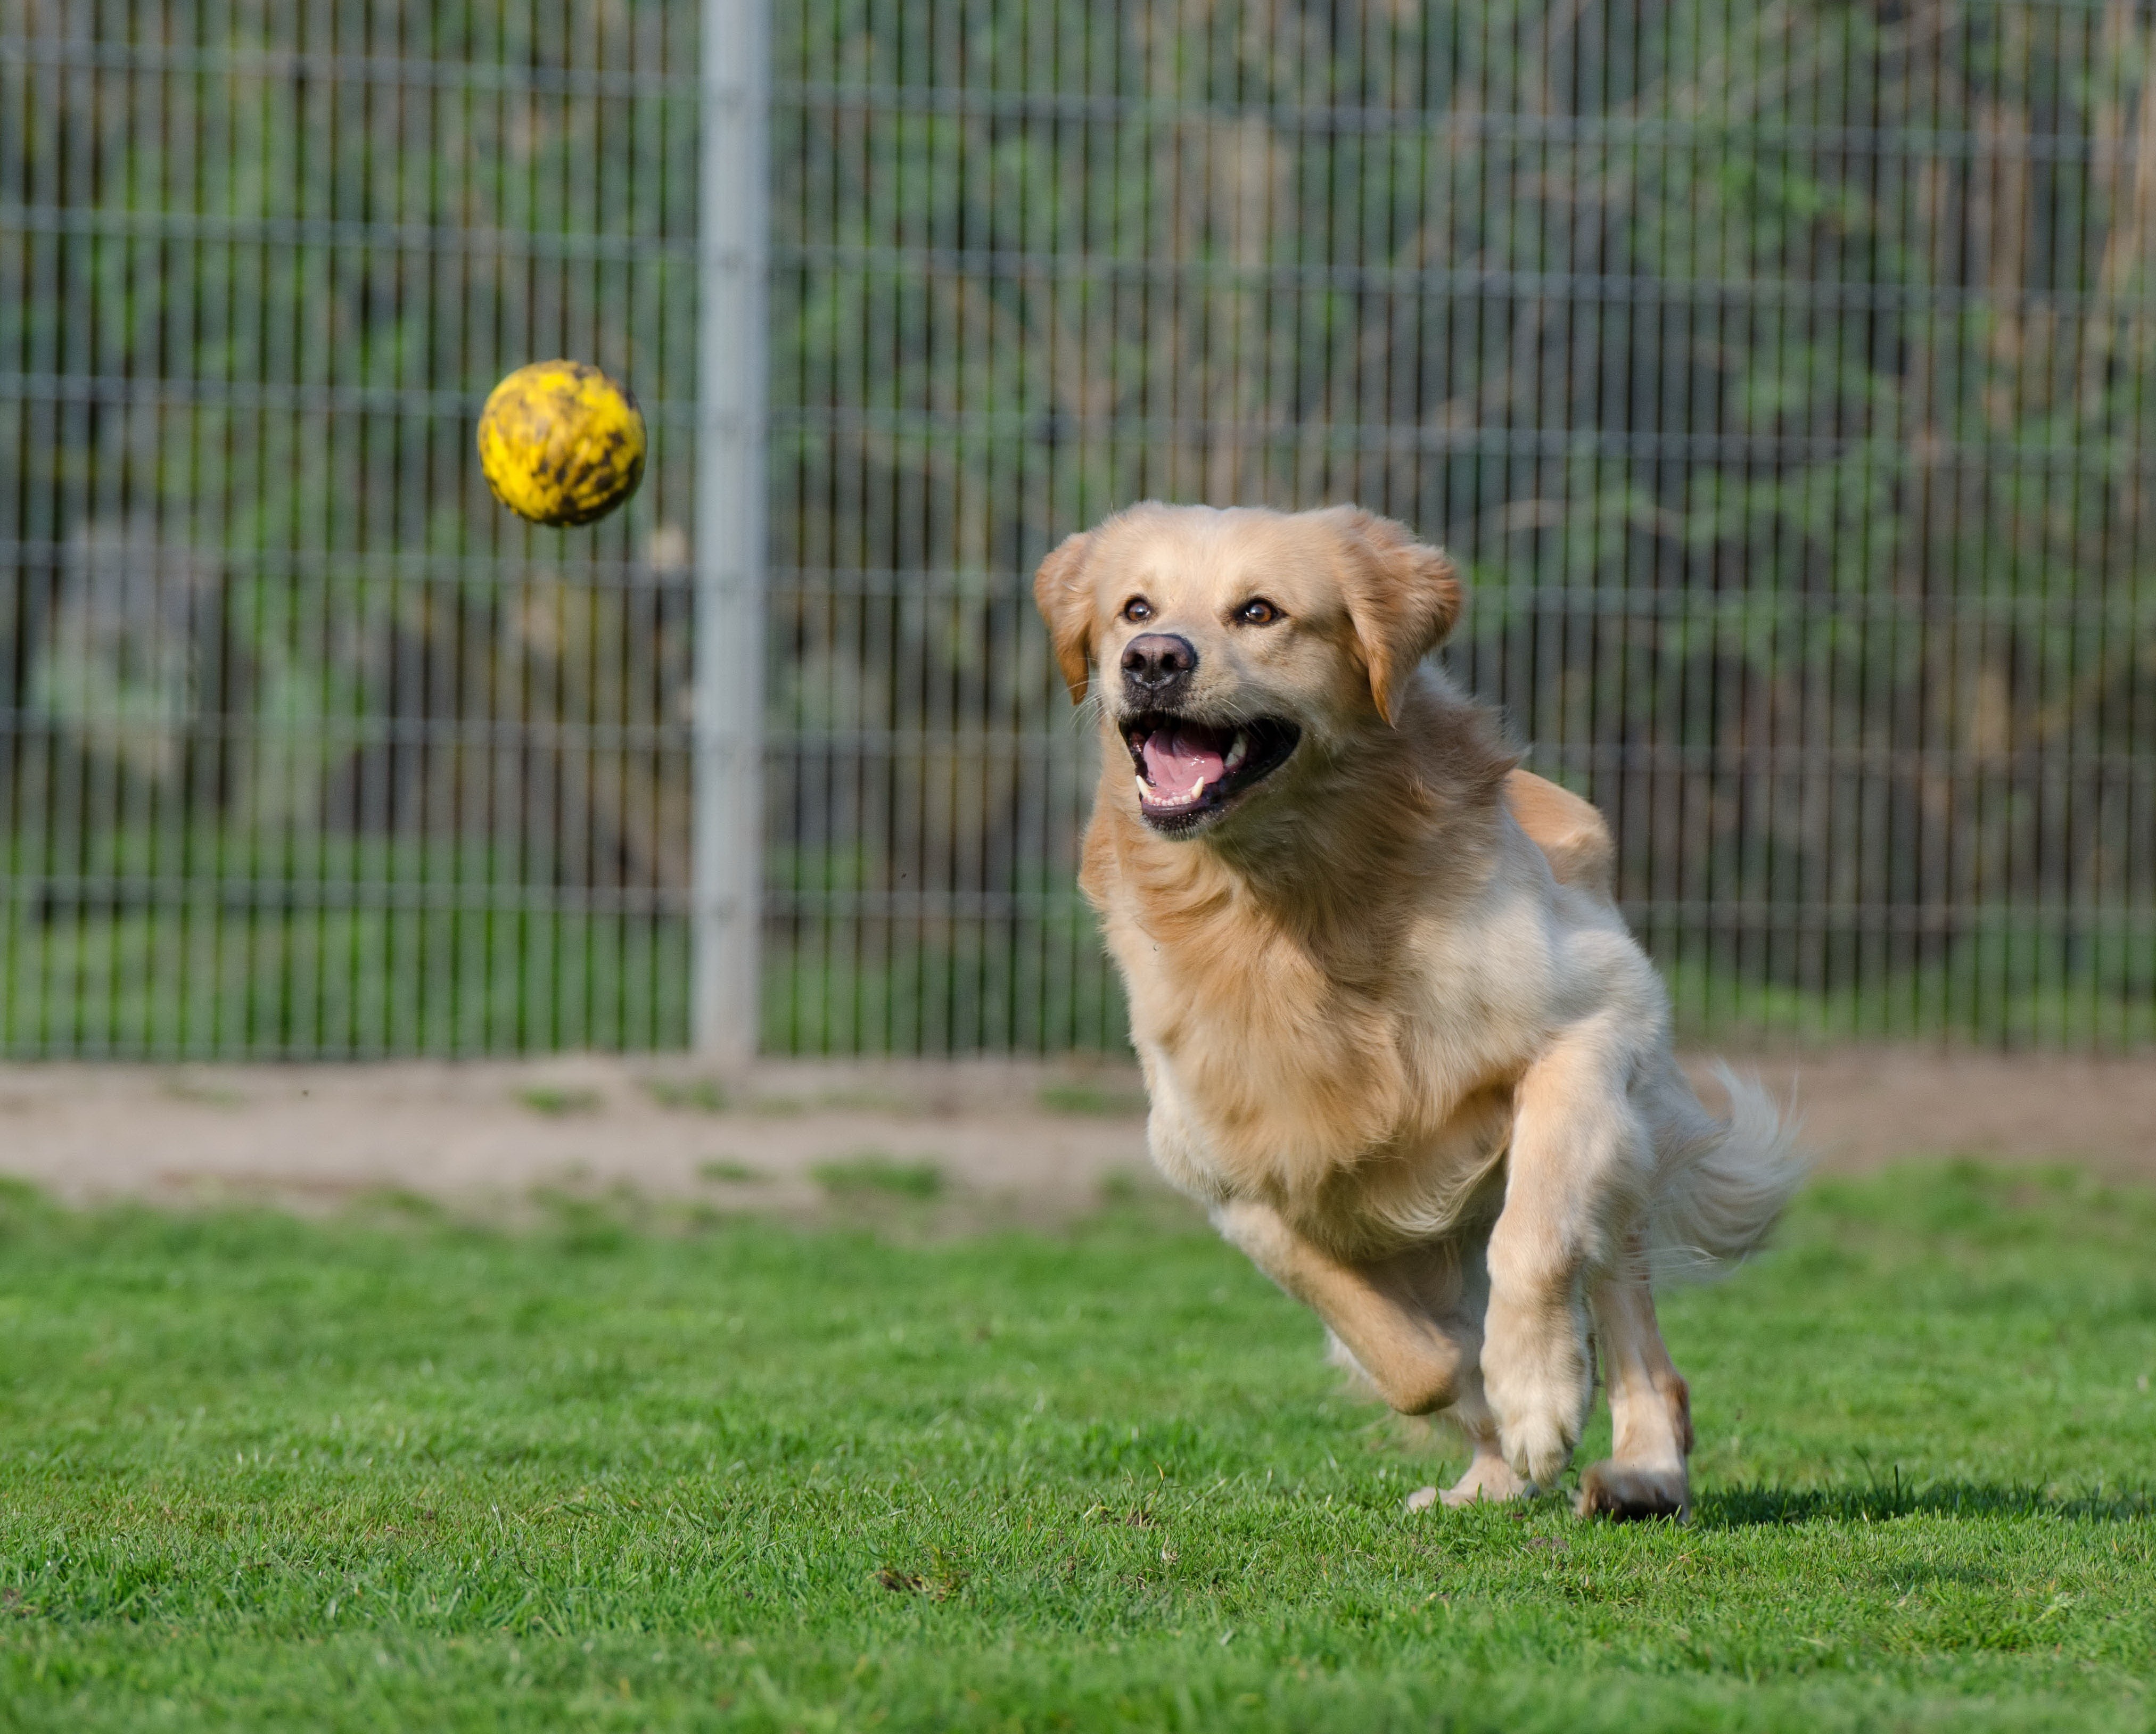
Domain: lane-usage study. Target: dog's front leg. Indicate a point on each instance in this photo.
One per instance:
(1417, 1365)
(1577, 1166)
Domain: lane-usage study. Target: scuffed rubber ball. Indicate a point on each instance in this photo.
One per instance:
(561, 443)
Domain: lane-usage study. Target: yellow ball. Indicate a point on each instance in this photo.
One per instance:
(560, 443)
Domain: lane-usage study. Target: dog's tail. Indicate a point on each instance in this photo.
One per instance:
(1725, 1182)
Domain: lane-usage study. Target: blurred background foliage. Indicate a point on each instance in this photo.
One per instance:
(1780, 372)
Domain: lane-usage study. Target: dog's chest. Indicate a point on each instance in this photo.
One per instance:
(1272, 1078)
(1361, 1196)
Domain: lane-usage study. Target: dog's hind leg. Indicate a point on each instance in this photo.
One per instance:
(1644, 1475)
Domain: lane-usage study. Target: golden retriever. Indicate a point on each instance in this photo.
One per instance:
(1395, 1034)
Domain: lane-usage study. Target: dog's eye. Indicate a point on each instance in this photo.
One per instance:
(1137, 608)
(1257, 612)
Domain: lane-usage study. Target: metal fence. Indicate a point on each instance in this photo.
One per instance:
(1781, 374)
(309, 748)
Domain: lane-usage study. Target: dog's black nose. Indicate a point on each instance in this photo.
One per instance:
(1155, 661)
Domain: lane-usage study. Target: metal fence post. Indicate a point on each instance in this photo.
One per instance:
(731, 380)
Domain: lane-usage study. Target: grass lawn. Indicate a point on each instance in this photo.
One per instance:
(389, 1472)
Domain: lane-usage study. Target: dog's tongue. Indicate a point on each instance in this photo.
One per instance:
(1180, 760)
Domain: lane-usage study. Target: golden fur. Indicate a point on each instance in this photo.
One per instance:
(1394, 1032)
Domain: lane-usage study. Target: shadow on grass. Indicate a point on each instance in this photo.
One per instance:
(1875, 1501)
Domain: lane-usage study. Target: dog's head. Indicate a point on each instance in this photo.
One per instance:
(1229, 645)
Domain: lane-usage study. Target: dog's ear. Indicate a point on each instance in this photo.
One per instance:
(1403, 596)
(1066, 601)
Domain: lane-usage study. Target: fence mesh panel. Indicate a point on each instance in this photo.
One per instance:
(308, 748)
(1780, 374)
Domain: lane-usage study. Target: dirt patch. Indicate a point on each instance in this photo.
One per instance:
(1863, 1107)
(1035, 1141)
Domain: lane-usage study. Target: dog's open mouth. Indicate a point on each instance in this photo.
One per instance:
(1188, 770)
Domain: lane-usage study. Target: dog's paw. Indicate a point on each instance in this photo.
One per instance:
(1537, 1446)
(1538, 1383)
(1611, 1489)
(1488, 1477)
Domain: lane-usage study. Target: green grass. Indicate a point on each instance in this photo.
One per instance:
(730, 1171)
(704, 1096)
(199, 980)
(556, 1100)
(1084, 1098)
(870, 1172)
(394, 1473)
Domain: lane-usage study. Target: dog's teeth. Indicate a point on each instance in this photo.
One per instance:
(1145, 788)
(1237, 752)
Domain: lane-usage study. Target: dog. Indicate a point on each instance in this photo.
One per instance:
(1396, 1036)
